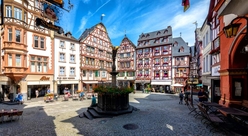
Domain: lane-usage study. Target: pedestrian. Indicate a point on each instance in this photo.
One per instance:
(37, 93)
(181, 97)
(202, 95)
(93, 101)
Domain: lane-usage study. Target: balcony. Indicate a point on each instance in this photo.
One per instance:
(15, 73)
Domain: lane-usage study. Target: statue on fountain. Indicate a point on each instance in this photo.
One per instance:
(114, 52)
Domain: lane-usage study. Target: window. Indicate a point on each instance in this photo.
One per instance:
(18, 60)
(25, 17)
(32, 66)
(18, 36)
(156, 73)
(165, 73)
(84, 73)
(39, 42)
(90, 73)
(36, 41)
(72, 58)
(72, 46)
(72, 71)
(127, 64)
(10, 60)
(97, 73)
(39, 64)
(62, 44)
(18, 13)
(61, 70)
(61, 57)
(8, 11)
(10, 34)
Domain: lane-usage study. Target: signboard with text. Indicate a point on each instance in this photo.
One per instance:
(215, 71)
(49, 25)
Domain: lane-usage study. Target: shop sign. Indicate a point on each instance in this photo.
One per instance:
(44, 78)
(59, 3)
(49, 25)
(195, 81)
(215, 70)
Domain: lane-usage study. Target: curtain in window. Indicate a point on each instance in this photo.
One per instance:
(32, 66)
(9, 60)
(18, 60)
(44, 67)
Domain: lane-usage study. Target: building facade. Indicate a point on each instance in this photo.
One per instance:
(212, 18)
(66, 63)
(180, 64)
(26, 50)
(153, 54)
(206, 35)
(126, 60)
(95, 57)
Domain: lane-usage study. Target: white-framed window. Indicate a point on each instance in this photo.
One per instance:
(90, 73)
(62, 44)
(72, 45)
(25, 17)
(61, 70)
(72, 58)
(61, 57)
(39, 42)
(38, 64)
(9, 59)
(10, 34)
(17, 13)
(8, 11)
(72, 71)
(18, 35)
(18, 60)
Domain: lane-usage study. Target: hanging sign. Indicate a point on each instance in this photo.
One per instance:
(50, 11)
(59, 3)
(49, 25)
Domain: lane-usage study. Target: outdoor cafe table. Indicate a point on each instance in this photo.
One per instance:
(211, 105)
(231, 111)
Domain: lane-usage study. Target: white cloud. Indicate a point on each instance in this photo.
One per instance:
(86, 1)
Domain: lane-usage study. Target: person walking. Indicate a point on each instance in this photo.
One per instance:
(37, 93)
(181, 97)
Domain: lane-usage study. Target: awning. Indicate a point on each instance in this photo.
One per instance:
(38, 82)
(238, 7)
(142, 81)
(90, 82)
(160, 83)
(199, 85)
(177, 85)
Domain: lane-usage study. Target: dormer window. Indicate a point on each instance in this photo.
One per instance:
(165, 31)
(175, 44)
(147, 35)
(158, 33)
(181, 49)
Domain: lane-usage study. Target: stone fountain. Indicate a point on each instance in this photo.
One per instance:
(110, 104)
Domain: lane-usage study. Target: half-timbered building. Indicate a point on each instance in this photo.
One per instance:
(153, 54)
(126, 63)
(26, 50)
(96, 57)
(180, 64)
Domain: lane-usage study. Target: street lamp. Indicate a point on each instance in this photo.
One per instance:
(191, 79)
(59, 85)
(232, 29)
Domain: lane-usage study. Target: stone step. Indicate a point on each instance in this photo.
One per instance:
(95, 114)
(88, 115)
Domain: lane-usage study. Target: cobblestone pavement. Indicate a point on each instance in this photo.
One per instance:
(157, 115)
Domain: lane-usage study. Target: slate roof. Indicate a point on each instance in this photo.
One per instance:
(65, 35)
(181, 43)
(153, 35)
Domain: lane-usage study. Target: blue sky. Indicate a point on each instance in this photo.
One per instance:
(134, 17)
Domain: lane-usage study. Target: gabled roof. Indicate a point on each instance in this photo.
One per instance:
(181, 44)
(90, 30)
(126, 38)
